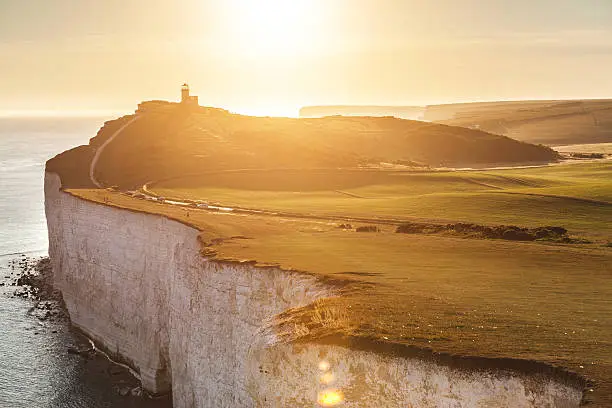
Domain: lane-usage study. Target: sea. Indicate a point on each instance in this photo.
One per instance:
(37, 369)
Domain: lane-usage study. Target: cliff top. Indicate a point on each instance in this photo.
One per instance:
(445, 291)
(458, 282)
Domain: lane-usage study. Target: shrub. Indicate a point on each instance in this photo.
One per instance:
(410, 228)
(367, 228)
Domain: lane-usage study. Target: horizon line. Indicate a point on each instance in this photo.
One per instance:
(58, 113)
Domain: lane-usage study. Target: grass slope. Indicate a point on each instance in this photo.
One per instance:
(576, 196)
(173, 141)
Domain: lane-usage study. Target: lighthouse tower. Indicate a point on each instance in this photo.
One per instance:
(186, 98)
(185, 93)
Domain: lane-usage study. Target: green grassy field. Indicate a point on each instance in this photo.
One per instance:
(575, 196)
(535, 301)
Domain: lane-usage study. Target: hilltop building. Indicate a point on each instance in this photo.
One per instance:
(150, 106)
(186, 98)
(186, 101)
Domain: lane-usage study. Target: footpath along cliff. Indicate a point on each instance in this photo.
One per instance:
(138, 286)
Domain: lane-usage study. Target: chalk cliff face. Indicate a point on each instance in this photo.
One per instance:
(138, 286)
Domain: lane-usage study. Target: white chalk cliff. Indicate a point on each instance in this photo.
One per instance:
(139, 287)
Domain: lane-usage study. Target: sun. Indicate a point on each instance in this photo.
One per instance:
(273, 27)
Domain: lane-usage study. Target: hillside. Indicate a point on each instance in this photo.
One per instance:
(547, 122)
(173, 141)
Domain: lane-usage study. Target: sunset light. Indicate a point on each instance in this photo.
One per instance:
(306, 203)
(271, 57)
(274, 27)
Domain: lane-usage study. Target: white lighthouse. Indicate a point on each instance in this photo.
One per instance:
(186, 98)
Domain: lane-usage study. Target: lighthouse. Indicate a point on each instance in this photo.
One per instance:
(186, 98)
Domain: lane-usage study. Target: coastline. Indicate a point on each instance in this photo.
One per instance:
(27, 284)
(344, 343)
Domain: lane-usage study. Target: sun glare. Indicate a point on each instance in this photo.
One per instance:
(274, 27)
(330, 398)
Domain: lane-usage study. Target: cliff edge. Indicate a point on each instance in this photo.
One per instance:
(215, 333)
(224, 305)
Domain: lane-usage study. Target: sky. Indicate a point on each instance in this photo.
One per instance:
(271, 57)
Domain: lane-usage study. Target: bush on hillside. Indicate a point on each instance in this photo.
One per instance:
(506, 232)
(367, 228)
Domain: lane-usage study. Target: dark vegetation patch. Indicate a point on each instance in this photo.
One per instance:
(409, 163)
(588, 155)
(367, 228)
(345, 226)
(506, 232)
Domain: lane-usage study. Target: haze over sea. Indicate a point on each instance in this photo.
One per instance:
(35, 369)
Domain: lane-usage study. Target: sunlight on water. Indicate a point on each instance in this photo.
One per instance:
(328, 397)
(328, 378)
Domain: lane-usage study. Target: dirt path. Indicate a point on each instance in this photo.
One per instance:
(348, 194)
(94, 161)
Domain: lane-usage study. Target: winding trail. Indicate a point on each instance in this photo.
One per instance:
(94, 161)
(232, 209)
(210, 205)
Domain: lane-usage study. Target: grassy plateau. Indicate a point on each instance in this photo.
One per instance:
(537, 301)
(296, 194)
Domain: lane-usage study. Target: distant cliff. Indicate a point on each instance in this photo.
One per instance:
(547, 122)
(403, 112)
(551, 123)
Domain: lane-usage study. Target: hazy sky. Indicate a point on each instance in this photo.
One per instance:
(273, 56)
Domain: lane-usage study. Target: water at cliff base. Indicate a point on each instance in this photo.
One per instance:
(36, 369)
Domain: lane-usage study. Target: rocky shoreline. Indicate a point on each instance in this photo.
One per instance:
(32, 280)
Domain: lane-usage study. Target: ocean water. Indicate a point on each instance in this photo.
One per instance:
(36, 369)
